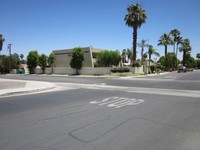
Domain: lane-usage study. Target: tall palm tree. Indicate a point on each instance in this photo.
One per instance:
(165, 40)
(135, 18)
(1, 41)
(185, 48)
(179, 40)
(175, 33)
(142, 45)
(152, 51)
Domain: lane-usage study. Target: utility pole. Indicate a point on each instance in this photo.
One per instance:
(9, 48)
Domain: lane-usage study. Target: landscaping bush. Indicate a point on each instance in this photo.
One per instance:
(157, 68)
(160, 67)
(153, 68)
(119, 70)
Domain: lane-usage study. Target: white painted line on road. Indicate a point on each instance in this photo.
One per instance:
(118, 102)
(133, 102)
(143, 90)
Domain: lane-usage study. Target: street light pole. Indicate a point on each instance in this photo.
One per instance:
(9, 48)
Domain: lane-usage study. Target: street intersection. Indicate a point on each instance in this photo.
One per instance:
(99, 113)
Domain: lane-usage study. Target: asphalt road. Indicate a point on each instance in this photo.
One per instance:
(105, 114)
(183, 81)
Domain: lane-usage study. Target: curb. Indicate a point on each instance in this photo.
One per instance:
(30, 87)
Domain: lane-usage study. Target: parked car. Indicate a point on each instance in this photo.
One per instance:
(180, 70)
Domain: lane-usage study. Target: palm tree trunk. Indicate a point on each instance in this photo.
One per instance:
(165, 50)
(1, 45)
(142, 60)
(176, 56)
(184, 57)
(174, 46)
(134, 44)
(142, 53)
(149, 63)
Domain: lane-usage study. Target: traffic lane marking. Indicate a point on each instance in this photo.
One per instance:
(144, 90)
(118, 102)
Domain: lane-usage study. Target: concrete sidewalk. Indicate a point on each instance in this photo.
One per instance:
(8, 86)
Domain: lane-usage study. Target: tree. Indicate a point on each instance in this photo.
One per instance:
(135, 18)
(198, 64)
(124, 53)
(51, 60)
(15, 61)
(176, 34)
(178, 41)
(198, 56)
(43, 62)
(198, 61)
(161, 61)
(185, 48)
(152, 51)
(32, 61)
(165, 40)
(1, 41)
(115, 57)
(170, 61)
(130, 55)
(142, 45)
(108, 58)
(4, 64)
(138, 63)
(191, 62)
(77, 59)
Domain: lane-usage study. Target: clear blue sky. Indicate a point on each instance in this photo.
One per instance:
(46, 25)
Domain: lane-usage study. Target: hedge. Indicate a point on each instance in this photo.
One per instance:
(119, 70)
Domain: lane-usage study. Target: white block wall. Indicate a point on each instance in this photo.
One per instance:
(85, 70)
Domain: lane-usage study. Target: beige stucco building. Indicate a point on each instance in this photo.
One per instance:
(63, 57)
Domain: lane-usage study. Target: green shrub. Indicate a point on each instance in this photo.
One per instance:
(160, 67)
(157, 68)
(153, 68)
(119, 70)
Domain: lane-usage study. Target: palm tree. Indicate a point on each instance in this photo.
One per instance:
(51, 59)
(175, 33)
(185, 48)
(124, 56)
(135, 18)
(130, 55)
(1, 41)
(165, 40)
(152, 51)
(142, 45)
(179, 40)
